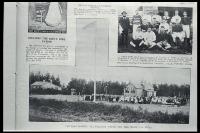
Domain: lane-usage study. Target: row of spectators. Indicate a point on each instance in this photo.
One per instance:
(149, 31)
(139, 100)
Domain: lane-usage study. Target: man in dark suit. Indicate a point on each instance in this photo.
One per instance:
(124, 26)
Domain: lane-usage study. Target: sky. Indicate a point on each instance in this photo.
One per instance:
(85, 61)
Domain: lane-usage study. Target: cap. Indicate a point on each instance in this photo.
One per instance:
(124, 12)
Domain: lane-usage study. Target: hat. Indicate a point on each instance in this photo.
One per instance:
(124, 12)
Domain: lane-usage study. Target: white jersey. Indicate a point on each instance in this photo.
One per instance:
(176, 19)
(146, 18)
(157, 18)
(165, 25)
(150, 36)
(138, 35)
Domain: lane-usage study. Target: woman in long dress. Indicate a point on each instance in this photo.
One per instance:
(54, 17)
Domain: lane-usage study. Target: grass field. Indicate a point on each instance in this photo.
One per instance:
(59, 97)
(64, 111)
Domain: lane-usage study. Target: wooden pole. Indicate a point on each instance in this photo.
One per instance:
(95, 61)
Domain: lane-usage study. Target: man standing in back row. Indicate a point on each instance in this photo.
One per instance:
(124, 26)
(186, 22)
(137, 20)
(177, 29)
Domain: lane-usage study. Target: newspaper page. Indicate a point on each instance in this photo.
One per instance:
(71, 76)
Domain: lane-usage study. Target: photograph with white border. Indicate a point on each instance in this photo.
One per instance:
(153, 34)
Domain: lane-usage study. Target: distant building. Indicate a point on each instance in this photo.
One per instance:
(142, 89)
(73, 91)
(44, 85)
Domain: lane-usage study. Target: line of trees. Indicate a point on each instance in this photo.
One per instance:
(83, 87)
(102, 87)
(172, 90)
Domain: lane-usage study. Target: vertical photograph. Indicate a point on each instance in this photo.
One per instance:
(155, 30)
(47, 17)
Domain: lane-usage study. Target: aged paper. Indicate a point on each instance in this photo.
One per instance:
(79, 66)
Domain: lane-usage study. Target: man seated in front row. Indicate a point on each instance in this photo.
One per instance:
(164, 39)
(144, 40)
(149, 38)
(138, 38)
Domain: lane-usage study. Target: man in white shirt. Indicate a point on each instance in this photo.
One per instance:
(156, 17)
(176, 18)
(165, 25)
(146, 18)
(149, 38)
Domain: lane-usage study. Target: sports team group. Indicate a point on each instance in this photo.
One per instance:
(155, 31)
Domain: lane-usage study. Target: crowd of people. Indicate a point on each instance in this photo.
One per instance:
(155, 31)
(139, 100)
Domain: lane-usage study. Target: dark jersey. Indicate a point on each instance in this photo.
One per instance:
(186, 21)
(164, 37)
(177, 28)
(144, 27)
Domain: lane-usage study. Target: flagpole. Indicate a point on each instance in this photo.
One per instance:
(95, 62)
(95, 30)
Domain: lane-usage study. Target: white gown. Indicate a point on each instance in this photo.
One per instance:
(53, 17)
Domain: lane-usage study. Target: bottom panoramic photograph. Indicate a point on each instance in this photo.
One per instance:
(117, 95)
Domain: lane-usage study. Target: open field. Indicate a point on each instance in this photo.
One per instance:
(53, 110)
(59, 97)
(170, 109)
